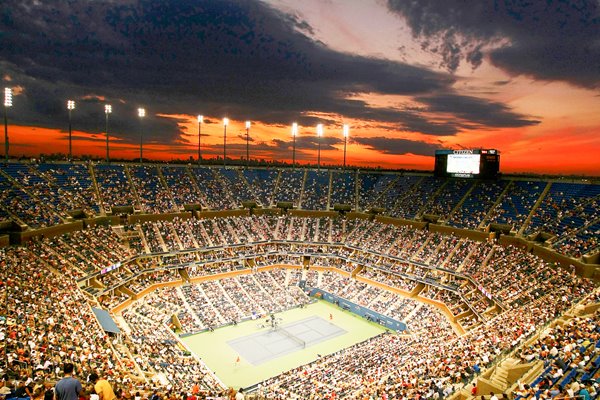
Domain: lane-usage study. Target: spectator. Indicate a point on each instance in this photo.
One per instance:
(474, 389)
(102, 387)
(240, 394)
(68, 388)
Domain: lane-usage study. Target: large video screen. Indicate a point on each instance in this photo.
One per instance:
(463, 164)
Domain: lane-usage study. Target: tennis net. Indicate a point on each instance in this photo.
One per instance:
(293, 337)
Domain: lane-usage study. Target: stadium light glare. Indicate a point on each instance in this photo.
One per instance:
(70, 108)
(248, 123)
(141, 114)
(200, 121)
(8, 97)
(294, 134)
(107, 111)
(7, 104)
(225, 123)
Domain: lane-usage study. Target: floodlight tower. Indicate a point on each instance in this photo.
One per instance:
(107, 111)
(346, 134)
(294, 134)
(200, 120)
(141, 114)
(248, 123)
(225, 123)
(70, 107)
(7, 104)
(319, 136)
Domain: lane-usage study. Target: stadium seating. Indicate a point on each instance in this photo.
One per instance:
(466, 302)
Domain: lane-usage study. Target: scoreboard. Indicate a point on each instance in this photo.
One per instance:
(476, 163)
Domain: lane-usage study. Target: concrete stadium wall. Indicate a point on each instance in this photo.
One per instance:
(48, 232)
(594, 259)
(313, 213)
(110, 220)
(463, 233)
(132, 219)
(219, 276)
(222, 214)
(266, 211)
(587, 267)
(400, 222)
(359, 215)
(583, 269)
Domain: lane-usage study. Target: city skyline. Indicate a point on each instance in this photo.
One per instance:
(406, 78)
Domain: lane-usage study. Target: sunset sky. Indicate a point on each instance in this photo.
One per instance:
(408, 77)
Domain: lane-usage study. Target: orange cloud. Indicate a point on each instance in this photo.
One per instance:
(563, 150)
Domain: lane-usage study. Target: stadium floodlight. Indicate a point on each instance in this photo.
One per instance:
(70, 107)
(319, 136)
(141, 114)
(248, 123)
(200, 121)
(346, 134)
(225, 123)
(294, 134)
(7, 97)
(107, 111)
(7, 104)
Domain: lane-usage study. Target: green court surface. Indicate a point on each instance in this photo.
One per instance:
(221, 358)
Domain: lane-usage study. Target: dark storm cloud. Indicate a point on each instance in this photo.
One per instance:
(239, 59)
(548, 40)
(414, 122)
(308, 143)
(484, 113)
(243, 137)
(397, 146)
(43, 103)
(277, 149)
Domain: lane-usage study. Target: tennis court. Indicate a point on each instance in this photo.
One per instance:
(312, 325)
(275, 342)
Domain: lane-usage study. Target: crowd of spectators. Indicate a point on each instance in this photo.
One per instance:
(237, 184)
(215, 189)
(114, 187)
(500, 295)
(584, 241)
(86, 252)
(40, 195)
(371, 187)
(569, 352)
(343, 188)
(183, 187)
(74, 185)
(262, 184)
(518, 201)
(443, 202)
(476, 206)
(47, 321)
(566, 208)
(24, 209)
(394, 193)
(156, 350)
(424, 364)
(153, 194)
(289, 187)
(234, 299)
